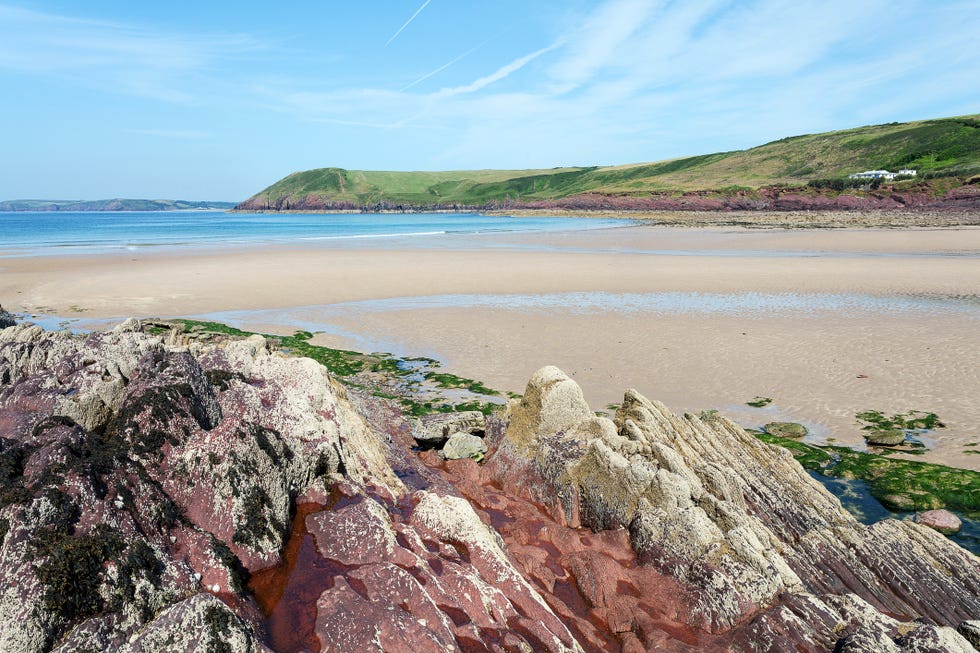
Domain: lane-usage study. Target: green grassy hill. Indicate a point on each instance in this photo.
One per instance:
(948, 146)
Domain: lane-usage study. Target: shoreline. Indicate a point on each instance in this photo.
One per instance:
(809, 362)
(784, 219)
(925, 217)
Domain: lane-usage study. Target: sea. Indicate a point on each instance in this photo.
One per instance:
(90, 232)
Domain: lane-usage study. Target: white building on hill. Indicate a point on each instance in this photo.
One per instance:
(882, 174)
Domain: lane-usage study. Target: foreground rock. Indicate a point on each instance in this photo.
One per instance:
(761, 551)
(142, 483)
(160, 493)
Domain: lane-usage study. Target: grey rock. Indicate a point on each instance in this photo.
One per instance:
(552, 403)
(129, 325)
(463, 445)
(785, 429)
(199, 623)
(867, 640)
(6, 318)
(434, 429)
(885, 437)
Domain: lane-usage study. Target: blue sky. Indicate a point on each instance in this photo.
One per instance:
(216, 100)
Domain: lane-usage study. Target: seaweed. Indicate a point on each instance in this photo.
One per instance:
(157, 407)
(346, 365)
(50, 422)
(914, 420)
(238, 574)
(446, 380)
(218, 621)
(256, 526)
(896, 483)
(394, 366)
(221, 379)
(140, 562)
(261, 436)
(12, 459)
(71, 569)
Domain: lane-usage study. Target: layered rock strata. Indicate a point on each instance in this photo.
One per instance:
(761, 550)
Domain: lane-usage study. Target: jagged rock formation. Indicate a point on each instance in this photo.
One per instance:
(762, 550)
(142, 483)
(164, 493)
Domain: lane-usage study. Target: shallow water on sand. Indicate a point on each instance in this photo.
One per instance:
(326, 318)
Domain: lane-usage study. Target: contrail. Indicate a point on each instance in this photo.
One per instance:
(444, 66)
(407, 22)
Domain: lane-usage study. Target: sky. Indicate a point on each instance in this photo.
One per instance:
(217, 100)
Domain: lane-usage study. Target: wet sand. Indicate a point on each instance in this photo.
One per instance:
(820, 362)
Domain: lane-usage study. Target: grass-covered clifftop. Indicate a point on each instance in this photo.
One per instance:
(947, 147)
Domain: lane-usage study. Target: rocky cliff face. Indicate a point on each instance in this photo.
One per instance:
(158, 494)
(766, 198)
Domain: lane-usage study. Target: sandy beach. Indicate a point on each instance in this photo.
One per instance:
(827, 323)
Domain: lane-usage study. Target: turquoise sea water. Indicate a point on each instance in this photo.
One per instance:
(28, 234)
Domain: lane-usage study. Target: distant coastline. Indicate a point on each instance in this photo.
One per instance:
(115, 204)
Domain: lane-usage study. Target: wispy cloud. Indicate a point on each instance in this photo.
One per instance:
(105, 54)
(407, 22)
(499, 74)
(601, 39)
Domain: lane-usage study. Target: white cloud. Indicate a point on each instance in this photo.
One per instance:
(103, 54)
(501, 73)
(601, 40)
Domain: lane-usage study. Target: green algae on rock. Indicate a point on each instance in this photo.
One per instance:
(897, 430)
(785, 429)
(418, 383)
(898, 484)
